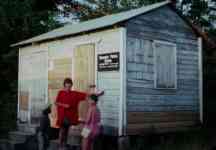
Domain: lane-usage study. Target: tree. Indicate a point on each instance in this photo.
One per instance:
(90, 9)
(19, 19)
(203, 14)
(198, 11)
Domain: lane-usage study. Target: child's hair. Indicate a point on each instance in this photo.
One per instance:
(94, 97)
(47, 110)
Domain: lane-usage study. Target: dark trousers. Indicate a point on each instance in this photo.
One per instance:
(63, 134)
(43, 141)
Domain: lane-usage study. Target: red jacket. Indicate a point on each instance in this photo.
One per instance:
(72, 98)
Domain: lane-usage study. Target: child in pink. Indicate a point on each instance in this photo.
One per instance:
(92, 123)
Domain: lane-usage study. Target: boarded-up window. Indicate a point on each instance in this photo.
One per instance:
(84, 66)
(165, 65)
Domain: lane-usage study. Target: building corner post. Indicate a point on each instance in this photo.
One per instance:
(200, 48)
(122, 104)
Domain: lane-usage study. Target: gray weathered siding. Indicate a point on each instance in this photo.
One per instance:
(165, 25)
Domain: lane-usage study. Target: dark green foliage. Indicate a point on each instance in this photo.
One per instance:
(90, 9)
(19, 19)
(201, 13)
(198, 11)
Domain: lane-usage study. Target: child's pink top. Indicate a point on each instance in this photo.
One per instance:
(93, 120)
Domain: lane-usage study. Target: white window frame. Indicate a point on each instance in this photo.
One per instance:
(155, 62)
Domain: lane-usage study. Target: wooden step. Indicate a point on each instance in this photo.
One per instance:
(53, 145)
(27, 128)
(19, 136)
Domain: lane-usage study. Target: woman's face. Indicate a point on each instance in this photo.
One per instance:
(68, 86)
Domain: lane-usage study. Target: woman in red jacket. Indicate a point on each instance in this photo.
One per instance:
(67, 102)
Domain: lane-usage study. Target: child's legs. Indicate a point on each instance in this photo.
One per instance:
(91, 143)
(63, 133)
(40, 141)
(87, 144)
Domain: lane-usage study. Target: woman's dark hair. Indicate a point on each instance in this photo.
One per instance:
(68, 81)
(94, 97)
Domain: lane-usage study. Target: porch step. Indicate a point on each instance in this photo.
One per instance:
(54, 146)
(19, 136)
(27, 128)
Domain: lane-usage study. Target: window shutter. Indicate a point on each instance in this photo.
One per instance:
(165, 65)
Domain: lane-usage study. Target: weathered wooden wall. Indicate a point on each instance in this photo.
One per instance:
(32, 82)
(61, 64)
(157, 109)
(109, 81)
(62, 51)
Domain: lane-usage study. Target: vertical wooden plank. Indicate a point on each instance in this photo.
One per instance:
(200, 78)
(24, 77)
(18, 92)
(38, 89)
(123, 87)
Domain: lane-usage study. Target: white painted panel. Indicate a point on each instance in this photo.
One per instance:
(33, 81)
(59, 49)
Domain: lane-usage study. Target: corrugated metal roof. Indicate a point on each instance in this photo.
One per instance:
(91, 24)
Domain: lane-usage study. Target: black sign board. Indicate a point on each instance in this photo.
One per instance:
(108, 62)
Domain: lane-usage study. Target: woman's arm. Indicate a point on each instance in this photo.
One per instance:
(62, 105)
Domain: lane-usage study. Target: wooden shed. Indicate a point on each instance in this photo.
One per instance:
(148, 61)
